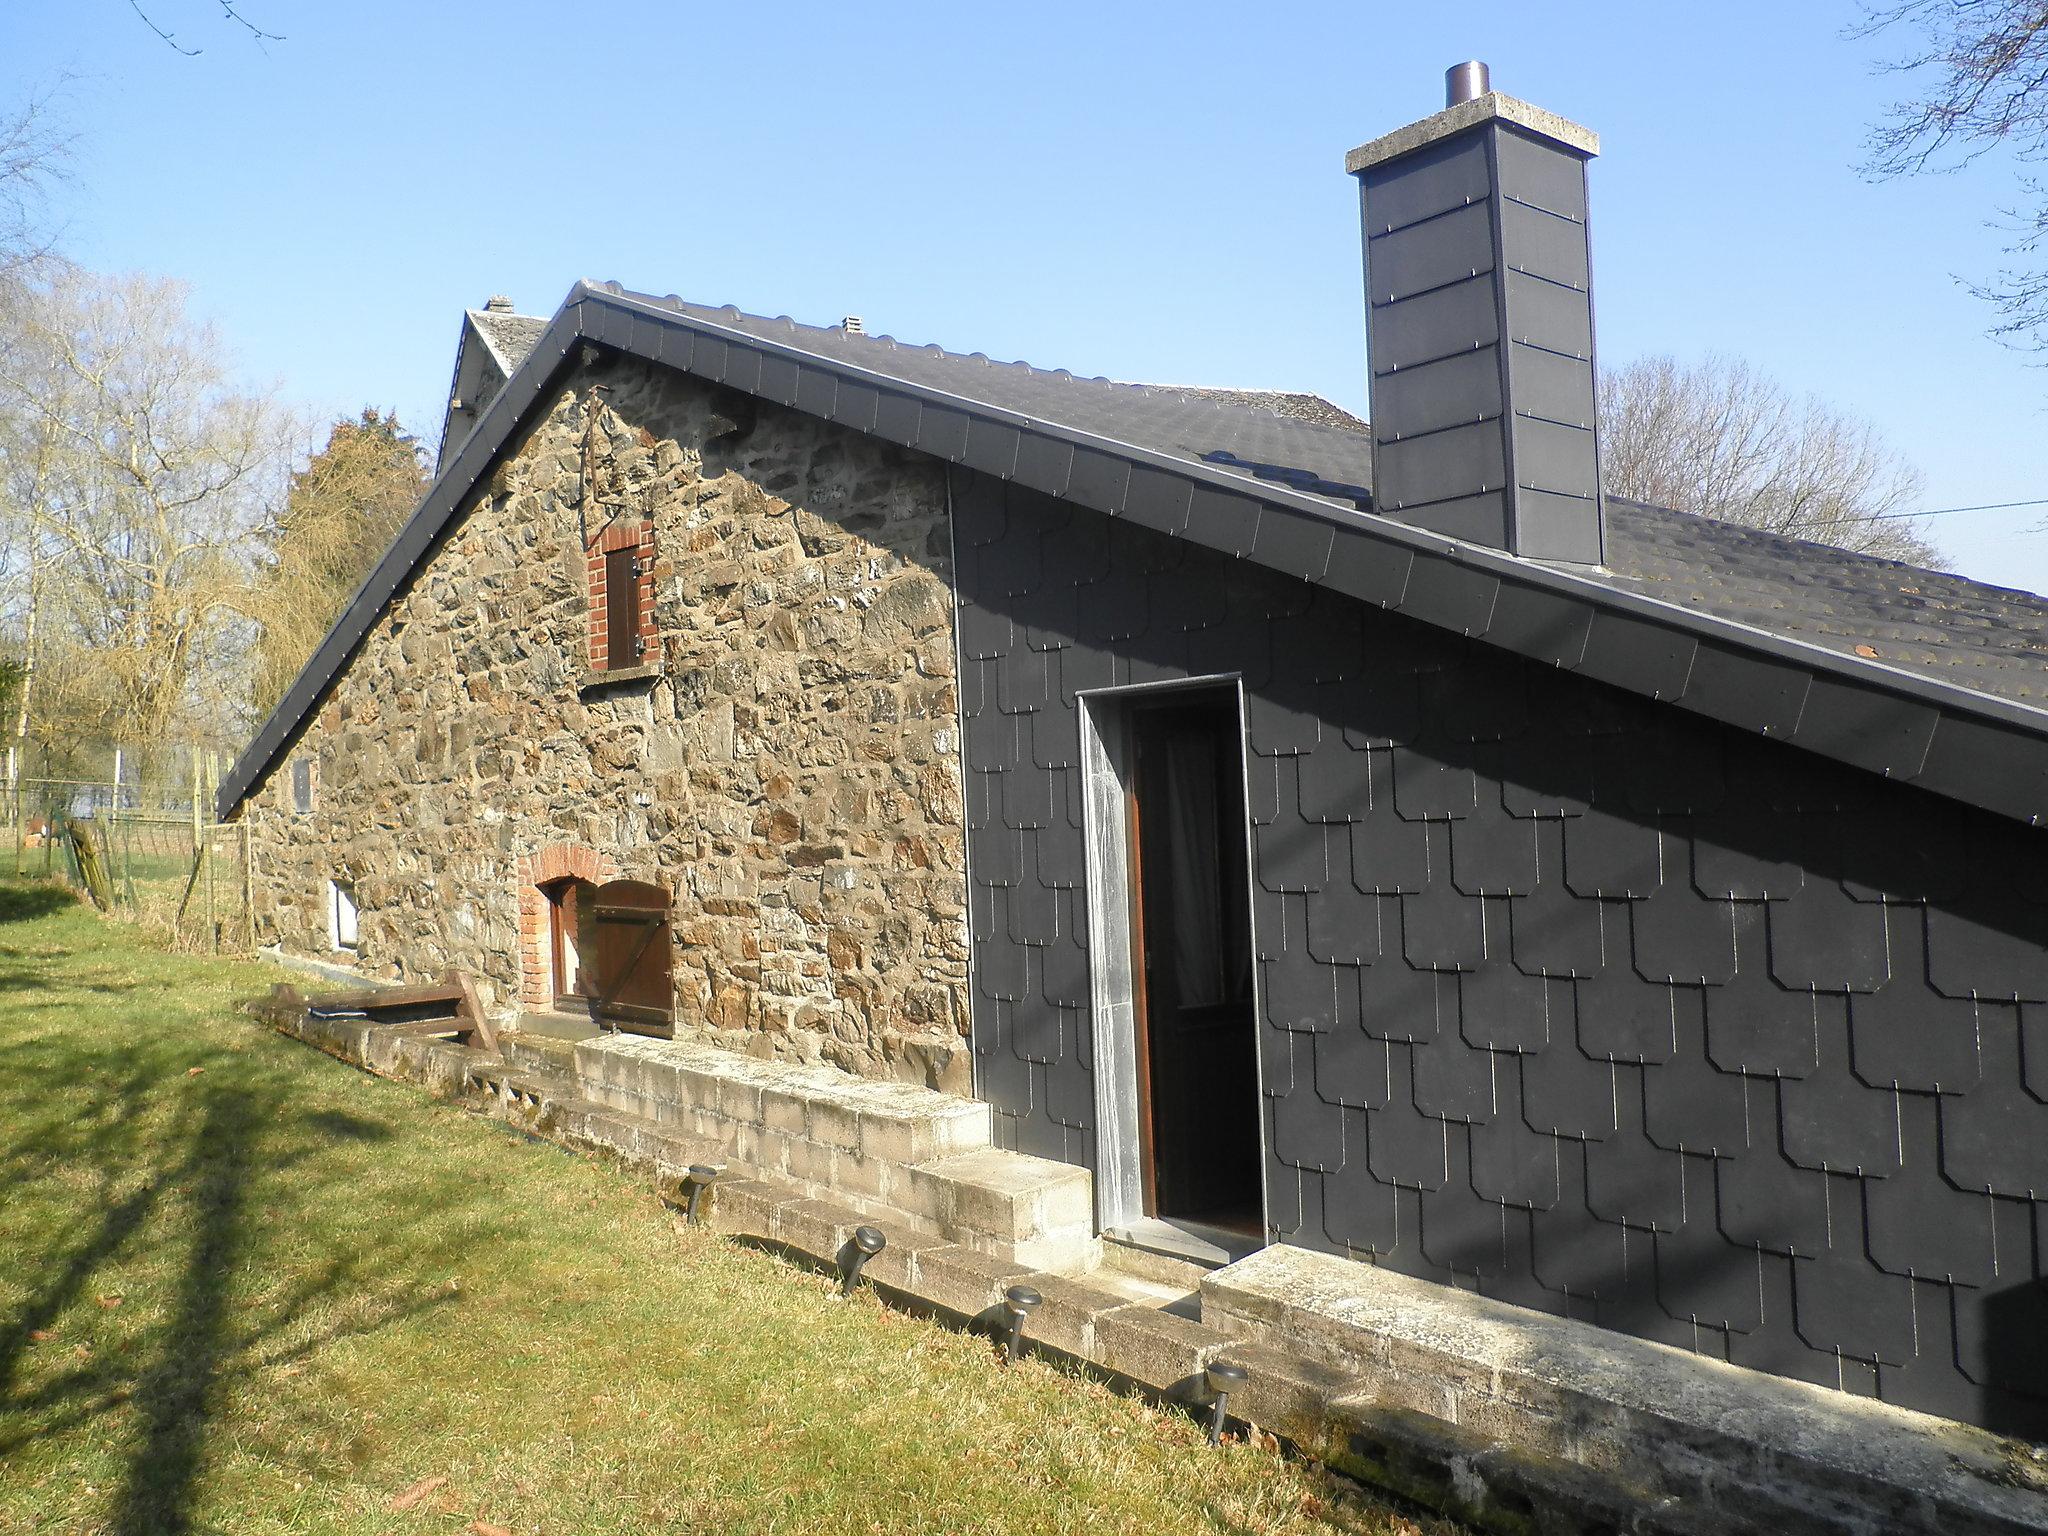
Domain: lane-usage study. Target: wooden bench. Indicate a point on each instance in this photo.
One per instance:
(447, 1008)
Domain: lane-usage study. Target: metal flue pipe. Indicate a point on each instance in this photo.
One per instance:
(1466, 82)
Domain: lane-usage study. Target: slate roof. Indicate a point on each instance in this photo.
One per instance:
(1282, 402)
(1769, 634)
(1185, 421)
(1992, 640)
(510, 337)
(1984, 638)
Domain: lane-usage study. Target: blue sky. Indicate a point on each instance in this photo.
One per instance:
(1146, 191)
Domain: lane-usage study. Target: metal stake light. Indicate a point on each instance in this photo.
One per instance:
(702, 1176)
(1019, 1302)
(1224, 1379)
(867, 1242)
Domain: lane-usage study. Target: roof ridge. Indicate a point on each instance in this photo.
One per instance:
(731, 314)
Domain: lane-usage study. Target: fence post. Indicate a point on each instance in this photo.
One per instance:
(248, 892)
(212, 921)
(198, 832)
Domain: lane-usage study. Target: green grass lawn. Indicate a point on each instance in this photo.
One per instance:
(244, 1288)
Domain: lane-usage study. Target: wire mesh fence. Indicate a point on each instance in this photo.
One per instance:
(138, 856)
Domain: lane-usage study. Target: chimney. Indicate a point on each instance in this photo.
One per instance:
(852, 326)
(1479, 324)
(498, 304)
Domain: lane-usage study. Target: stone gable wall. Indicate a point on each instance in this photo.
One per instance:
(791, 774)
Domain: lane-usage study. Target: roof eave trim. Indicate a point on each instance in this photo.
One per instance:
(1868, 713)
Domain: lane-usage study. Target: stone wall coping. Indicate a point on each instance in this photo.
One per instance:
(1355, 1312)
(814, 1085)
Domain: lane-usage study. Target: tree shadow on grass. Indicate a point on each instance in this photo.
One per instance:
(174, 1395)
(343, 1126)
(200, 1155)
(24, 901)
(29, 979)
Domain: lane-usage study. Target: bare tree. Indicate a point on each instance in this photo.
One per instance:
(138, 481)
(1984, 65)
(34, 151)
(1720, 439)
(33, 154)
(229, 12)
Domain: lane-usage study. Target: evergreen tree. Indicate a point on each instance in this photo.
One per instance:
(341, 512)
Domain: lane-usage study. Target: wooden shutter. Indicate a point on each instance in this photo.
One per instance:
(621, 610)
(633, 989)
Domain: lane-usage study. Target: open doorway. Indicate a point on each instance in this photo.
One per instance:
(609, 953)
(1177, 1052)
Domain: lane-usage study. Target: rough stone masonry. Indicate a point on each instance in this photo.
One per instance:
(786, 765)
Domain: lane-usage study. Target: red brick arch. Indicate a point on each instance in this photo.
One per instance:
(557, 861)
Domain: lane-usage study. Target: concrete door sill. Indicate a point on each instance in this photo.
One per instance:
(1188, 1241)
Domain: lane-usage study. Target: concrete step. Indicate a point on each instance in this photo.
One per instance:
(1029, 1208)
(1147, 1293)
(891, 1151)
(1780, 1454)
(1148, 1265)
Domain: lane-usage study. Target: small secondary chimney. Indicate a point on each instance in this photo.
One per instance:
(1479, 324)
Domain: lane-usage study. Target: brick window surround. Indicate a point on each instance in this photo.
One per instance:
(557, 861)
(620, 535)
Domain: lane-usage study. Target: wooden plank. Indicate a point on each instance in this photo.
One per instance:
(470, 1010)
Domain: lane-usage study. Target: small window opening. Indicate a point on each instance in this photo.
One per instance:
(341, 913)
(623, 646)
(569, 919)
(302, 786)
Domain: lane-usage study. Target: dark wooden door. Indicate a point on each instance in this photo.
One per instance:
(1199, 1051)
(630, 986)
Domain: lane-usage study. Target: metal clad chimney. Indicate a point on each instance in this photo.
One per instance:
(1479, 324)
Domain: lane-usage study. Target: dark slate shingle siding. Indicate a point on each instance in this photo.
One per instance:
(1597, 1006)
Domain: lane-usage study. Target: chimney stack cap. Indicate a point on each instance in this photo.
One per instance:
(1466, 82)
(1490, 107)
(499, 304)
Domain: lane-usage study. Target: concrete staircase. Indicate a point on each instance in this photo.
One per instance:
(897, 1154)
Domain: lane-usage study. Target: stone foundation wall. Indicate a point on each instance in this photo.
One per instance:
(788, 766)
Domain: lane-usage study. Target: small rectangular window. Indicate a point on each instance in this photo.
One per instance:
(567, 919)
(341, 914)
(302, 786)
(621, 609)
